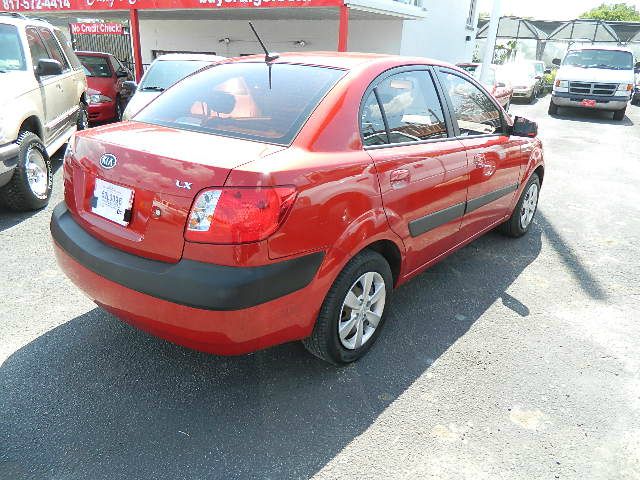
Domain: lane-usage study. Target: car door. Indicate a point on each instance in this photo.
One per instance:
(67, 81)
(494, 157)
(50, 86)
(421, 167)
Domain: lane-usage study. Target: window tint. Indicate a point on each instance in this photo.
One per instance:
(66, 47)
(244, 100)
(53, 47)
(36, 47)
(411, 107)
(475, 112)
(371, 123)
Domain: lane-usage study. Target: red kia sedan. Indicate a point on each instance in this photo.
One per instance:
(256, 203)
(105, 78)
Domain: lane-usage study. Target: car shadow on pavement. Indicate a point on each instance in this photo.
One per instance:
(591, 116)
(95, 398)
(10, 218)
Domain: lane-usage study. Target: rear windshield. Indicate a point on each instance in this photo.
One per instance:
(95, 66)
(11, 55)
(164, 73)
(244, 100)
(608, 59)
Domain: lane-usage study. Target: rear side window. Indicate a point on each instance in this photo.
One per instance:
(410, 107)
(54, 49)
(475, 112)
(244, 100)
(66, 47)
(36, 47)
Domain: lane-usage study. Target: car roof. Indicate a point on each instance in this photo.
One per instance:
(93, 54)
(189, 57)
(344, 60)
(601, 47)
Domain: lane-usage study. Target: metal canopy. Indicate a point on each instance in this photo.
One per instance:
(516, 28)
(585, 31)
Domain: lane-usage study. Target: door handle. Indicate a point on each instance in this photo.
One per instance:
(399, 178)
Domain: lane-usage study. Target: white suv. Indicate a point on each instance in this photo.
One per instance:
(598, 78)
(42, 93)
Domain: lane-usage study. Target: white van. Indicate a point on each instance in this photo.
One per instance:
(594, 77)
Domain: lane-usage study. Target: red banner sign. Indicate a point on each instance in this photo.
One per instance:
(71, 5)
(96, 28)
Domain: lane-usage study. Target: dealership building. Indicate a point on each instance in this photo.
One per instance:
(429, 28)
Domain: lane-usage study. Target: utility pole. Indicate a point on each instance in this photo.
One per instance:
(492, 34)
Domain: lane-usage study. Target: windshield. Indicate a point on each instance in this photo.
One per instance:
(518, 73)
(11, 55)
(244, 100)
(164, 73)
(95, 66)
(608, 59)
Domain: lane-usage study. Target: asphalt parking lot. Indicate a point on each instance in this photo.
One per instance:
(511, 359)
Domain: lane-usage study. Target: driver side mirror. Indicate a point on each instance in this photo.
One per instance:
(47, 67)
(556, 62)
(524, 128)
(130, 85)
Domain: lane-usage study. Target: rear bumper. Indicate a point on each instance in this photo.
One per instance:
(213, 308)
(563, 99)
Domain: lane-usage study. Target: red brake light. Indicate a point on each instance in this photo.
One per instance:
(238, 215)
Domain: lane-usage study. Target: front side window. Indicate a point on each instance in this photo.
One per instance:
(53, 47)
(411, 108)
(36, 47)
(475, 113)
(11, 54)
(94, 66)
(255, 101)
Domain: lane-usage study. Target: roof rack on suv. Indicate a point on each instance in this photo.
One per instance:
(14, 14)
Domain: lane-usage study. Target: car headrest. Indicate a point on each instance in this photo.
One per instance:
(221, 102)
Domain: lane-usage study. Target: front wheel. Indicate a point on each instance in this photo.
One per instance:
(553, 108)
(83, 117)
(32, 180)
(352, 313)
(521, 219)
(619, 114)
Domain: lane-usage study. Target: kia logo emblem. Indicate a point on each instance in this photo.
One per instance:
(108, 161)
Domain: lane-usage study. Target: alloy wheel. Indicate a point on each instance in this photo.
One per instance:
(37, 173)
(529, 205)
(362, 310)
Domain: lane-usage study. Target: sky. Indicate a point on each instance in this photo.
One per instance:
(548, 9)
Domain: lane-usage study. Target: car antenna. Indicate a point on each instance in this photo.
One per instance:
(268, 57)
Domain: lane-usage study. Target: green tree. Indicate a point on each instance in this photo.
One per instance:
(617, 11)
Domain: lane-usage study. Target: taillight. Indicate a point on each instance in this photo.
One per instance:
(238, 215)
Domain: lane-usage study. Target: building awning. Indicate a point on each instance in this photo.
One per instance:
(585, 31)
(516, 28)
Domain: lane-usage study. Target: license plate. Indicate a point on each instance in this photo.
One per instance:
(112, 202)
(588, 103)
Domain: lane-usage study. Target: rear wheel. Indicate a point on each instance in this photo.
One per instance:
(553, 108)
(32, 180)
(521, 219)
(619, 114)
(352, 313)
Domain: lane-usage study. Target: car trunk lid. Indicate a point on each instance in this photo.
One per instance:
(163, 168)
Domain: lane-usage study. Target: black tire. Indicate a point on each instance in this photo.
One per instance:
(82, 123)
(119, 110)
(553, 108)
(17, 194)
(513, 226)
(324, 341)
(619, 114)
